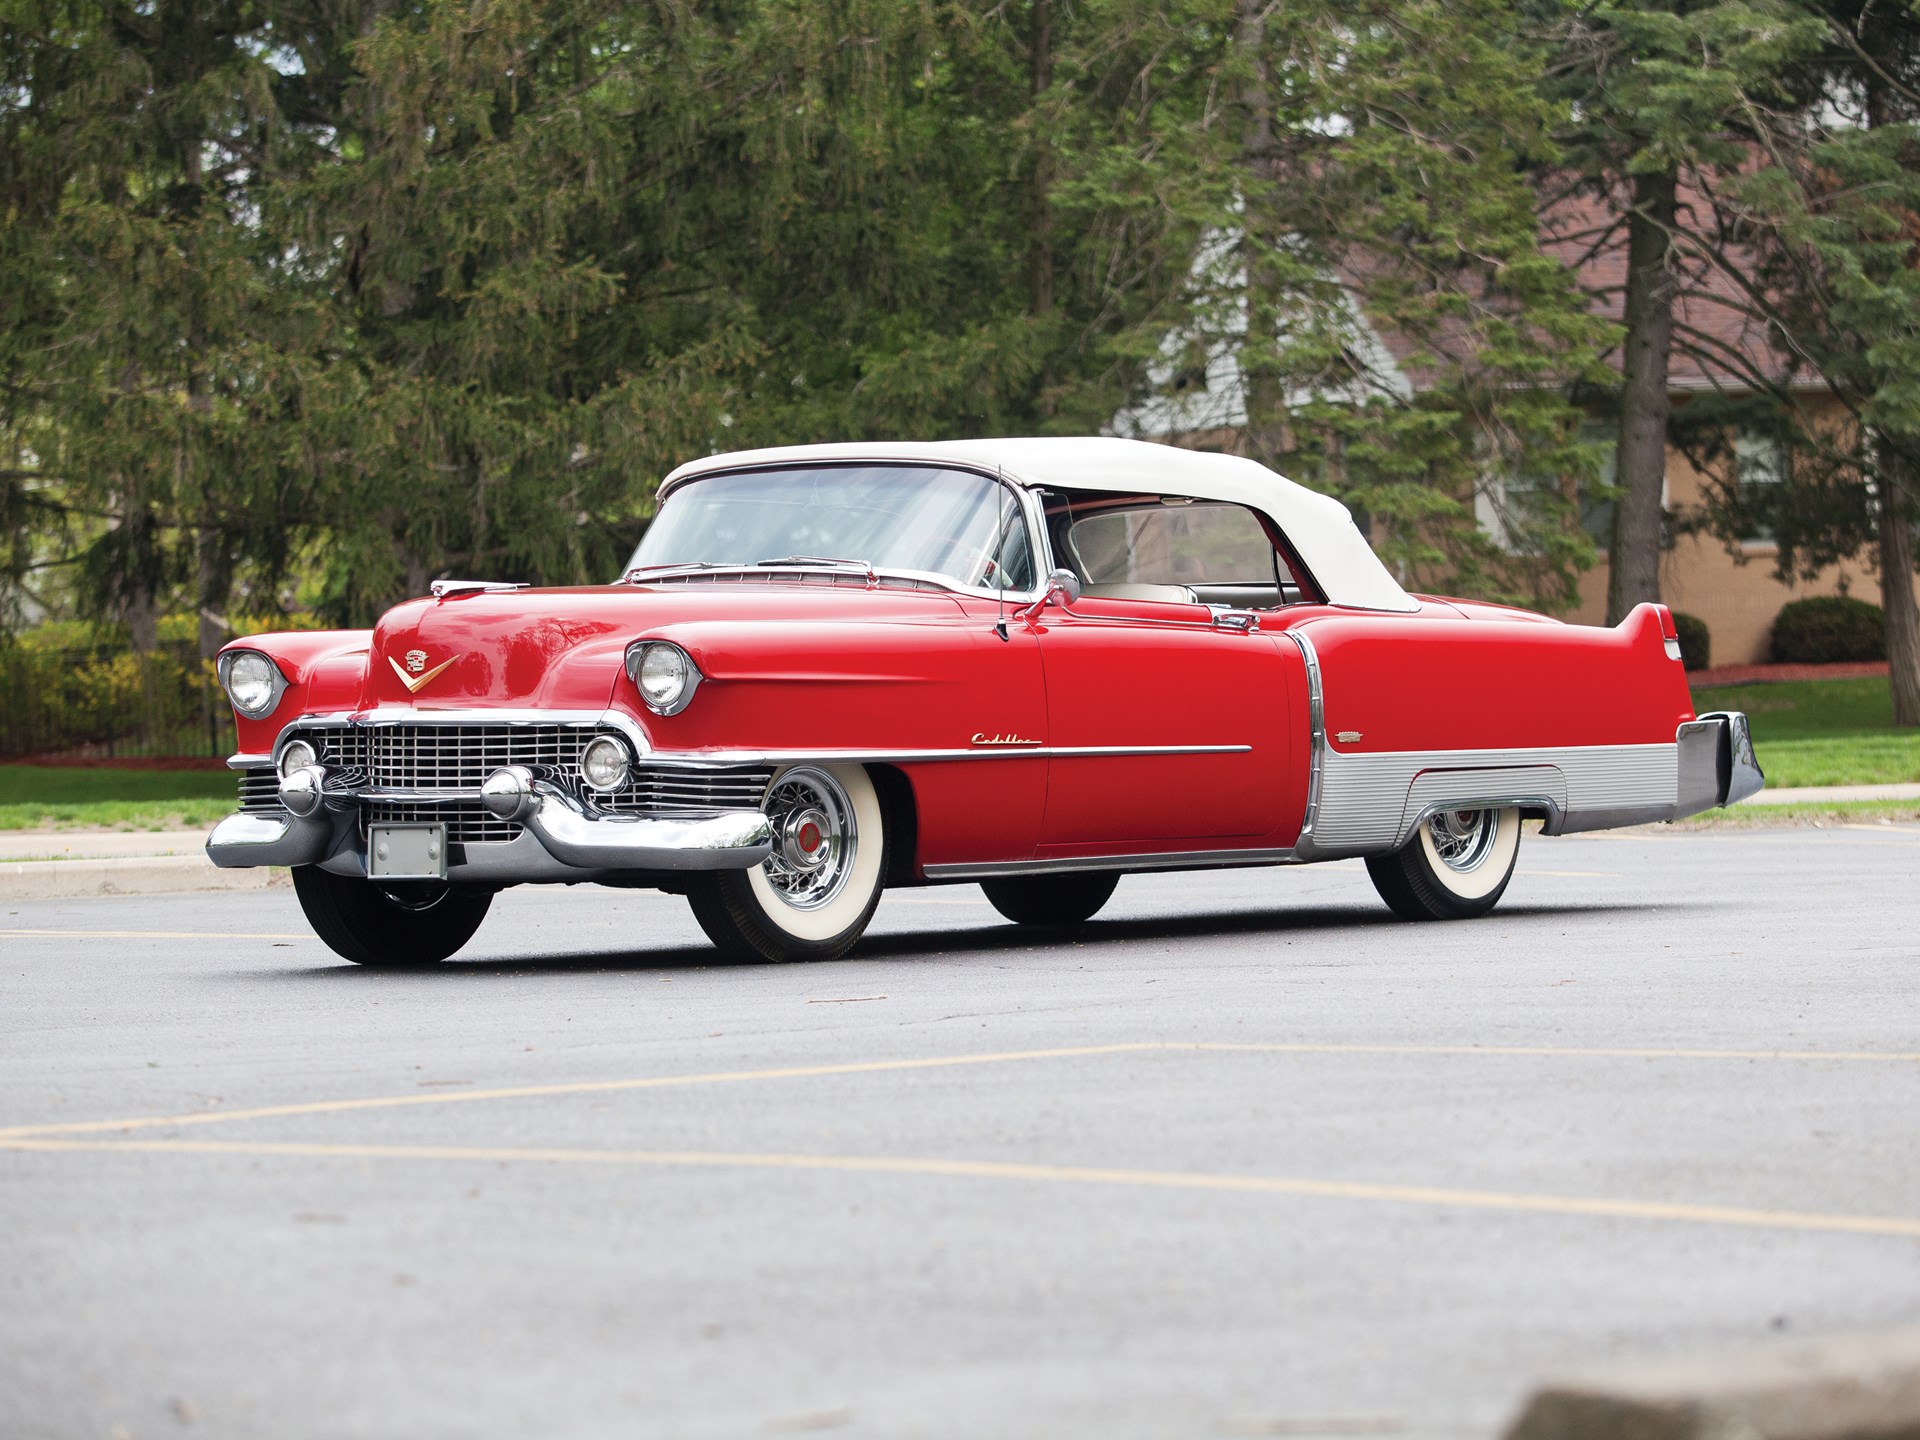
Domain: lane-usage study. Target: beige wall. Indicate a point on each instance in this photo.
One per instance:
(1738, 601)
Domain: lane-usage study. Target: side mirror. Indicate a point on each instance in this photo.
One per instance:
(1063, 588)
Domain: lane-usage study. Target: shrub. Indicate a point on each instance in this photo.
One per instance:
(108, 703)
(1696, 644)
(1828, 628)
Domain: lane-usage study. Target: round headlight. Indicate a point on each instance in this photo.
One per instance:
(297, 756)
(664, 674)
(253, 684)
(603, 764)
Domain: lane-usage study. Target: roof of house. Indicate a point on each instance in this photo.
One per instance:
(1319, 527)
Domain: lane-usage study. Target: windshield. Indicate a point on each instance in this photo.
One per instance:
(952, 523)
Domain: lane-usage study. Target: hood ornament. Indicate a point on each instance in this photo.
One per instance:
(453, 589)
(411, 676)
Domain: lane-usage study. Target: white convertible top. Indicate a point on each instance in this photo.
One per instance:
(1319, 527)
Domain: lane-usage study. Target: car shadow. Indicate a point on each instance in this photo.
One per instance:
(985, 939)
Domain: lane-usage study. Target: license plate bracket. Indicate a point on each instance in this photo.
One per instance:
(407, 852)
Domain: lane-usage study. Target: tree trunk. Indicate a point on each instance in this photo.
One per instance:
(1040, 220)
(1633, 560)
(1897, 600)
(1260, 373)
(140, 601)
(212, 584)
(143, 622)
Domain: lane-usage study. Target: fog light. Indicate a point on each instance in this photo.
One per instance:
(301, 790)
(297, 756)
(603, 764)
(508, 792)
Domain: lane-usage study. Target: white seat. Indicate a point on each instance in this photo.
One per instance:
(1170, 594)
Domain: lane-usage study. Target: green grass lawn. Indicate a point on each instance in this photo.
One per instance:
(34, 797)
(1823, 732)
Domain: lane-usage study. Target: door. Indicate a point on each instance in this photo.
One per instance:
(1163, 725)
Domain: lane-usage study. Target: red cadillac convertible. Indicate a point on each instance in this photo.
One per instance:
(1035, 665)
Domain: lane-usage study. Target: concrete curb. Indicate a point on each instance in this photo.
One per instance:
(1848, 1387)
(144, 875)
(1828, 794)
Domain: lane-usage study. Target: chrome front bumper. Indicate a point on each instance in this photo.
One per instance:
(562, 838)
(1717, 764)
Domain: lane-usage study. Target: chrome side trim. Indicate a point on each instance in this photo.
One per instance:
(718, 759)
(1317, 740)
(628, 726)
(1154, 860)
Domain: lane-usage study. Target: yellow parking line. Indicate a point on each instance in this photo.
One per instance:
(578, 1087)
(874, 1067)
(1424, 1195)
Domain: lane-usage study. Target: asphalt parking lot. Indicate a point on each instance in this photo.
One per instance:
(1244, 1157)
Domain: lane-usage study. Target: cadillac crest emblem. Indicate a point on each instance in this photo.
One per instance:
(416, 662)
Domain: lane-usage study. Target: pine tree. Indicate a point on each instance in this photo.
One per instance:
(1374, 277)
(1831, 221)
(1661, 96)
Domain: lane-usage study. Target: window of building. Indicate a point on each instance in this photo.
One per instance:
(1759, 467)
(1513, 508)
(1596, 493)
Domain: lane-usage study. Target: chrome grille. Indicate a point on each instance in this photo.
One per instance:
(259, 790)
(459, 758)
(449, 757)
(659, 788)
(468, 822)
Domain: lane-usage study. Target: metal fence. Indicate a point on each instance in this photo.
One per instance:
(108, 704)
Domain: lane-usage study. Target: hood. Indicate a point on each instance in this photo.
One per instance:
(564, 648)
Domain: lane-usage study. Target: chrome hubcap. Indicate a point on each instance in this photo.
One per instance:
(1464, 838)
(815, 837)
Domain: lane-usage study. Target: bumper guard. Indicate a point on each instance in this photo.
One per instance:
(1717, 764)
(570, 841)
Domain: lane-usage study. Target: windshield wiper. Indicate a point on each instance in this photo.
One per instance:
(817, 560)
(682, 565)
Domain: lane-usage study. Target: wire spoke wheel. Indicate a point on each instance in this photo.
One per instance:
(816, 838)
(1455, 867)
(813, 896)
(1463, 839)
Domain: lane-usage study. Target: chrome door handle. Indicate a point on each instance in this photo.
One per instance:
(1242, 620)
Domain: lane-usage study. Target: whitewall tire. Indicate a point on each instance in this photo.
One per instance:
(1456, 867)
(813, 897)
